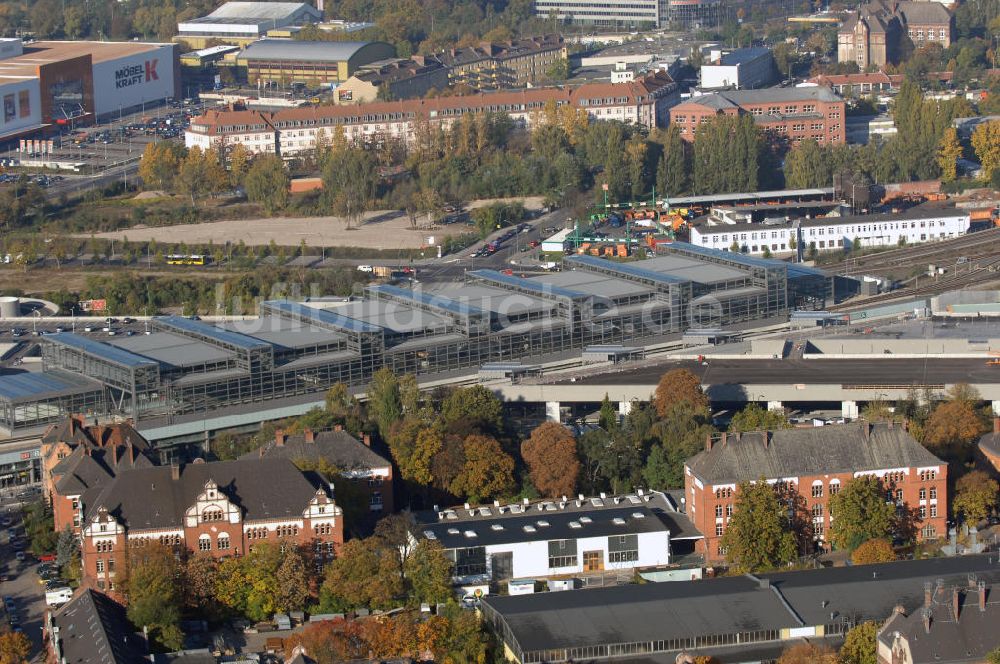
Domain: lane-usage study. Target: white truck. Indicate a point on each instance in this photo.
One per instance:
(58, 596)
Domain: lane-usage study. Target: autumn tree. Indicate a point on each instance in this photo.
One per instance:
(553, 465)
(292, 577)
(488, 471)
(949, 150)
(428, 573)
(350, 177)
(755, 418)
(873, 551)
(266, 183)
(15, 648)
(263, 581)
(414, 445)
(472, 409)
(859, 644)
(677, 435)
(679, 386)
(239, 161)
(159, 165)
(986, 143)
(975, 496)
(154, 594)
(808, 653)
(954, 424)
(364, 574)
(200, 576)
(861, 512)
(758, 537)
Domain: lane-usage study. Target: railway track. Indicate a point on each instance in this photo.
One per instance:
(980, 244)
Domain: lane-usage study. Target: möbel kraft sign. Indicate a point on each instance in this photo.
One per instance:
(134, 74)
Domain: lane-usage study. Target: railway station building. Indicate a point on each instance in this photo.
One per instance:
(189, 371)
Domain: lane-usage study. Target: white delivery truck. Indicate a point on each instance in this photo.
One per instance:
(58, 596)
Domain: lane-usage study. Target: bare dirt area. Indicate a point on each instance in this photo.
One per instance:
(384, 230)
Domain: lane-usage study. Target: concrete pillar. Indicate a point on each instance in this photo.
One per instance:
(996, 408)
(775, 405)
(552, 412)
(624, 408)
(849, 410)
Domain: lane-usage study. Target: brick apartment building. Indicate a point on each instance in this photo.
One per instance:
(222, 508)
(355, 460)
(788, 113)
(817, 463)
(643, 102)
(492, 66)
(76, 457)
(873, 35)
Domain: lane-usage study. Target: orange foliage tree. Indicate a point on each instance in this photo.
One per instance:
(873, 551)
(488, 471)
(553, 464)
(679, 386)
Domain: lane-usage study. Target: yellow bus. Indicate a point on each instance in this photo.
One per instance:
(181, 259)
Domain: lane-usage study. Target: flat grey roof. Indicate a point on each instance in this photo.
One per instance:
(98, 349)
(638, 269)
(33, 386)
(296, 49)
(678, 201)
(491, 298)
(423, 297)
(743, 55)
(283, 332)
(319, 316)
(594, 283)
(391, 316)
(690, 269)
(172, 349)
(536, 287)
(183, 324)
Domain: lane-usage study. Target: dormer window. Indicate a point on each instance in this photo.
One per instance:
(211, 514)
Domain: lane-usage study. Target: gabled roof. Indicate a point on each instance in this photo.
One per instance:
(94, 629)
(150, 498)
(338, 447)
(923, 13)
(85, 467)
(814, 451)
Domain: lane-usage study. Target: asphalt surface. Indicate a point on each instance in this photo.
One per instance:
(22, 583)
(833, 371)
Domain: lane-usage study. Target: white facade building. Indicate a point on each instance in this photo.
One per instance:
(602, 12)
(925, 223)
(559, 537)
(742, 69)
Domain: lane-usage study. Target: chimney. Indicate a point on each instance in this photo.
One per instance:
(309, 435)
(927, 593)
(279, 437)
(981, 587)
(708, 442)
(956, 600)
(175, 471)
(367, 440)
(926, 615)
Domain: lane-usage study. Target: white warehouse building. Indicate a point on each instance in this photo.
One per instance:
(559, 537)
(924, 223)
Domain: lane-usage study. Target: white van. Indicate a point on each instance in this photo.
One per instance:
(58, 596)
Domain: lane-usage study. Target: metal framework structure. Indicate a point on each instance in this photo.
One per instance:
(191, 367)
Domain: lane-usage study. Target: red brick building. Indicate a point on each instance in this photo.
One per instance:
(222, 508)
(817, 463)
(791, 114)
(355, 460)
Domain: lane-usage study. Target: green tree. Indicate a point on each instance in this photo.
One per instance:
(949, 150)
(488, 471)
(350, 178)
(153, 592)
(986, 143)
(758, 537)
(428, 571)
(364, 574)
(266, 183)
(859, 644)
(384, 400)
(807, 165)
(679, 434)
(672, 167)
(473, 409)
(607, 419)
(861, 512)
(755, 418)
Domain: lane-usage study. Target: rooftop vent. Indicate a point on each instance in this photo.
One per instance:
(634, 500)
(517, 509)
(465, 505)
(638, 515)
(496, 526)
(597, 502)
(450, 514)
(429, 534)
(616, 500)
(619, 521)
(453, 531)
(550, 507)
(575, 524)
(529, 529)
(484, 511)
(471, 534)
(542, 523)
(586, 519)
(640, 492)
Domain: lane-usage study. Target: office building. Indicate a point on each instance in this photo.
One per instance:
(790, 114)
(635, 14)
(924, 223)
(742, 69)
(574, 535)
(643, 102)
(283, 62)
(738, 619)
(240, 23)
(816, 463)
(49, 83)
(691, 14)
(221, 509)
(392, 79)
(515, 64)
(181, 378)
